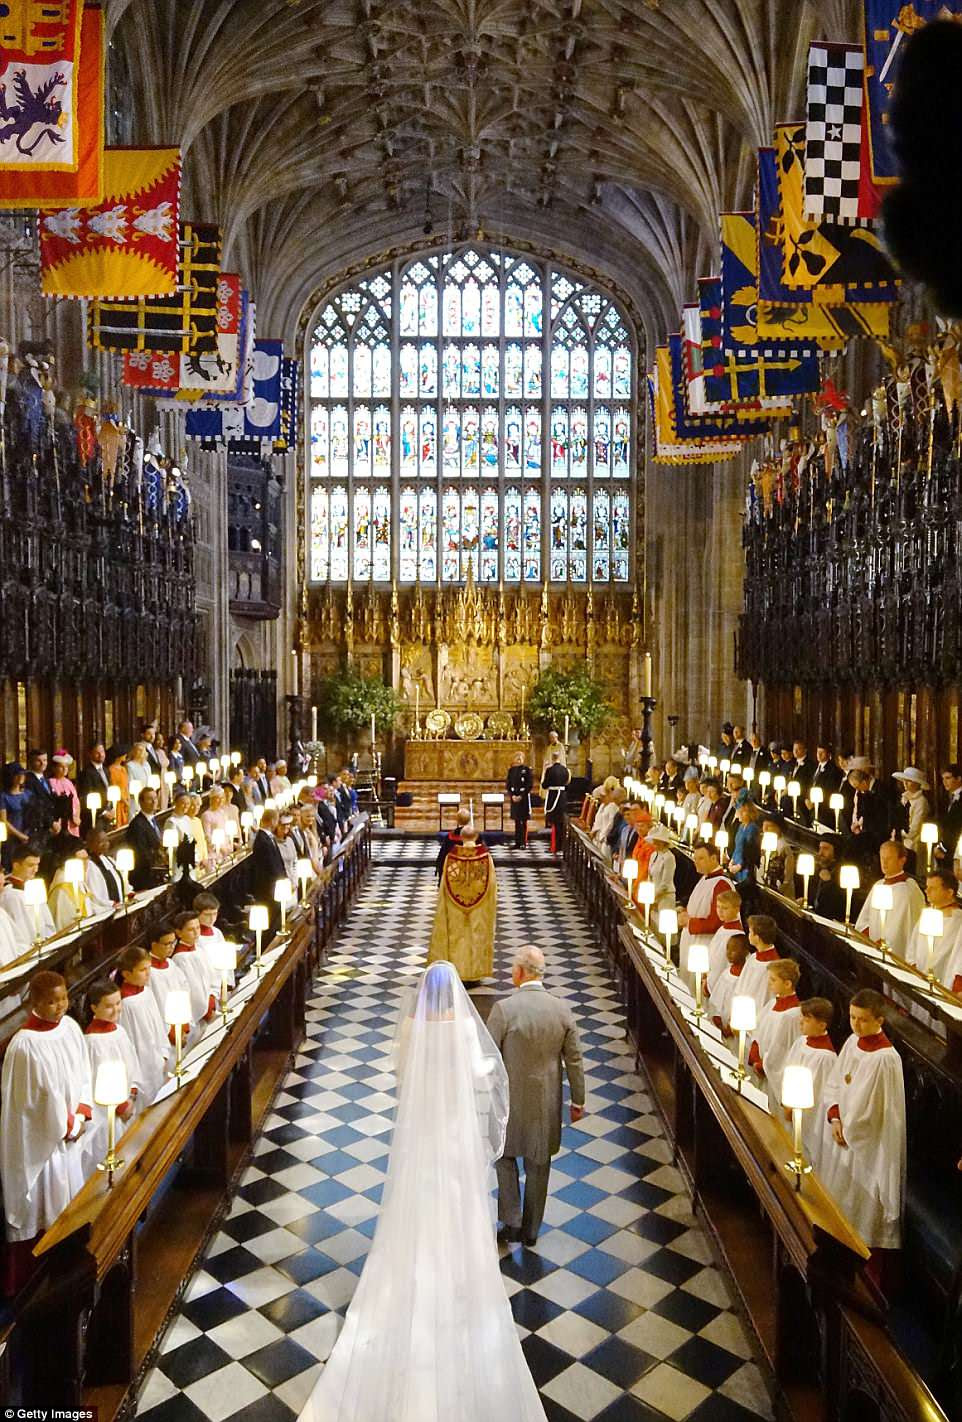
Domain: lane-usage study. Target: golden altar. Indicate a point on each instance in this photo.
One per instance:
(454, 760)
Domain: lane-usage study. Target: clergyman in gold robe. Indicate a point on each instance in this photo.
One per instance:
(467, 910)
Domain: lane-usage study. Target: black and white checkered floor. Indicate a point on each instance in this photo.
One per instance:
(623, 1316)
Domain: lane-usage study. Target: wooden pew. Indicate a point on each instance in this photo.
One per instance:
(115, 1264)
(796, 1263)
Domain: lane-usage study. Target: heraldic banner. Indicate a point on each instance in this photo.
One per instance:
(40, 47)
(125, 247)
(185, 323)
(32, 110)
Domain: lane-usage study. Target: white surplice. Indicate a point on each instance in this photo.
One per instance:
(907, 903)
(147, 1031)
(943, 949)
(818, 1054)
(775, 1036)
(24, 918)
(867, 1176)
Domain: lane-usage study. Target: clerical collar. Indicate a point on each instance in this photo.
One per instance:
(531, 983)
(96, 1027)
(875, 1043)
(895, 878)
(824, 1042)
(40, 1024)
(782, 1004)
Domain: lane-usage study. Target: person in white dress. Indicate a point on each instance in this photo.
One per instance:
(661, 869)
(865, 1171)
(429, 1335)
(913, 786)
(813, 1048)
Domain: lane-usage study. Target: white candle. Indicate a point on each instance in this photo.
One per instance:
(313, 723)
(567, 720)
(646, 676)
(373, 727)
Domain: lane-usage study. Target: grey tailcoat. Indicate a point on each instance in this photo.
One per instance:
(534, 1032)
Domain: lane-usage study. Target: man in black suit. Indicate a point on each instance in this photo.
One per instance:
(950, 821)
(187, 748)
(144, 838)
(827, 775)
(327, 815)
(741, 751)
(870, 823)
(802, 768)
(93, 779)
(263, 780)
(267, 862)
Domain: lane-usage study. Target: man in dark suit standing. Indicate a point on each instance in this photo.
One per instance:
(827, 775)
(187, 748)
(950, 821)
(144, 838)
(267, 862)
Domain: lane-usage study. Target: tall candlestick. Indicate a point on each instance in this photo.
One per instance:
(417, 707)
(373, 729)
(313, 723)
(646, 675)
(567, 724)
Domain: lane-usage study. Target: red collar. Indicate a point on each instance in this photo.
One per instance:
(824, 1042)
(160, 963)
(206, 932)
(896, 879)
(714, 874)
(784, 1004)
(183, 948)
(733, 923)
(735, 969)
(874, 1043)
(40, 1024)
(130, 990)
(96, 1027)
(15, 883)
(767, 955)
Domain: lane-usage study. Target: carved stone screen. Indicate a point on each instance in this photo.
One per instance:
(471, 409)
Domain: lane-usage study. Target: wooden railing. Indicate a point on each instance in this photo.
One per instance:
(796, 1263)
(114, 1265)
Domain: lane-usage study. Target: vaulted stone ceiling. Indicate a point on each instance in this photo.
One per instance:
(321, 131)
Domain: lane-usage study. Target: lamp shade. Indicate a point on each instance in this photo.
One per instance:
(764, 778)
(691, 823)
(110, 1083)
(698, 959)
(170, 778)
(668, 921)
(769, 842)
(882, 897)
(73, 871)
(177, 1009)
(805, 865)
(201, 768)
(223, 955)
(283, 891)
(646, 892)
(798, 1088)
(224, 762)
(629, 870)
(659, 800)
(836, 802)
(724, 766)
(816, 794)
(113, 794)
(153, 781)
(748, 774)
(3, 831)
(235, 757)
(706, 830)
(35, 892)
(721, 839)
(187, 774)
(270, 803)
(744, 1013)
(218, 838)
(303, 870)
(170, 838)
(929, 833)
(794, 789)
(124, 859)
(94, 801)
(246, 819)
(848, 876)
(931, 922)
(258, 918)
(779, 783)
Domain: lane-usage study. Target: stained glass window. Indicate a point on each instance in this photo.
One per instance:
(471, 409)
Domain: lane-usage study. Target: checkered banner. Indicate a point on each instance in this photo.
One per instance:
(833, 132)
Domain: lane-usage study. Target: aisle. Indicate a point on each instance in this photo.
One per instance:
(623, 1317)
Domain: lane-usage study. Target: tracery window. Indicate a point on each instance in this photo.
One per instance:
(471, 409)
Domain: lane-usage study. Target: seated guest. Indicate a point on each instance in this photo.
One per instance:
(671, 777)
(117, 772)
(814, 1048)
(865, 1170)
(143, 1019)
(941, 892)
(637, 822)
(660, 868)
(147, 735)
(202, 981)
(102, 879)
(337, 804)
(762, 932)
(825, 895)
(779, 871)
(344, 802)
(13, 808)
(107, 1040)
(758, 758)
(690, 793)
(253, 791)
(46, 1103)
(779, 1024)
(144, 838)
(728, 983)
(27, 922)
(700, 919)
(746, 851)
(280, 782)
(138, 769)
(717, 804)
(727, 742)
(263, 778)
(729, 911)
(907, 901)
(65, 791)
(266, 861)
(915, 805)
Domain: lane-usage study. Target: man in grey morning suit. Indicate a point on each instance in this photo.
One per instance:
(534, 1033)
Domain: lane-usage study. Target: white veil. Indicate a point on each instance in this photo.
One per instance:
(429, 1336)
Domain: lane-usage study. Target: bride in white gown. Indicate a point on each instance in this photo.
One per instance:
(429, 1336)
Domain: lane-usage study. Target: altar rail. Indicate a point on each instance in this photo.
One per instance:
(796, 1264)
(115, 1264)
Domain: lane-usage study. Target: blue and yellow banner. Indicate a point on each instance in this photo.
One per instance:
(889, 25)
(748, 369)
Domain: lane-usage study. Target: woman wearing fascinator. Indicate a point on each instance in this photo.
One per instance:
(429, 1335)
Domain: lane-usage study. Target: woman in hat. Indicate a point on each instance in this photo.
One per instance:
(66, 792)
(916, 806)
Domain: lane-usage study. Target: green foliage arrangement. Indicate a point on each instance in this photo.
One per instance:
(346, 702)
(575, 694)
